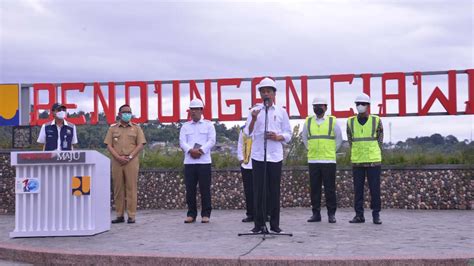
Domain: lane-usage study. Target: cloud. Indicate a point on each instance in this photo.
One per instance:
(55, 41)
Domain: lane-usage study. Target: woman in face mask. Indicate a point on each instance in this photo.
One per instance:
(58, 134)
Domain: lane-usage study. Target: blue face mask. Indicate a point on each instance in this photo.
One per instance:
(126, 117)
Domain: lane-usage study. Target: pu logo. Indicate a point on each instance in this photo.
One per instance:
(9, 107)
(81, 185)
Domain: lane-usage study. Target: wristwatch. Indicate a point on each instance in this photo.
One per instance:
(130, 157)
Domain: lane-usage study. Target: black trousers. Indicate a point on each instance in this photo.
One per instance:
(272, 191)
(373, 177)
(194, 174)
(248, 190)
(319, 174)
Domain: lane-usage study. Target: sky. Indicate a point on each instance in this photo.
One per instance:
(67, 41)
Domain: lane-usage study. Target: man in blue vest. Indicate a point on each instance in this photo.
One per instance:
(365, 137)
(58, 135)
(322, 137)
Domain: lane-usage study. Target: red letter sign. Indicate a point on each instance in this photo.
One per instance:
(254, 92)
(80, 120)
(302, 104)
(449, 105)
(401, 96)
(34, 116)
(193, 91)
(470, 103)
(236, 102)
(143, 99)
(109, 109)
(175, 116)
(340, 78)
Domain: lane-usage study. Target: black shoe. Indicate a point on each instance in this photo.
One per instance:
(331, 218)
(276, 230)
(247, 219)
(130, 220)
(314, 218)
(189, 220)
(357, 220)
(377, 220)
(118, 220)
(256, 230)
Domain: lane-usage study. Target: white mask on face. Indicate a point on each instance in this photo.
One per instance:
(361, 109)
(61, 114)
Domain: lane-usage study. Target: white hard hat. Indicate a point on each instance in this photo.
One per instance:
(267, 82)
(362, 98)
(196, 103)
(320, 100)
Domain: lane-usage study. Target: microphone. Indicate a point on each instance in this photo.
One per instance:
(266, 102)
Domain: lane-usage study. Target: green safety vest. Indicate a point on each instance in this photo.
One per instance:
(365, 147)
(321, 139)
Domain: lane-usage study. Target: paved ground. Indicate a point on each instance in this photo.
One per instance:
(12, 263)
(403, 234)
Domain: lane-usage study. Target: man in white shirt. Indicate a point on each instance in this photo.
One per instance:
(244, 148)
(196, 138)
(322, 137)
(58, 134)
(278, 132)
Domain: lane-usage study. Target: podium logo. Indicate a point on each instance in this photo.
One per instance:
(81, 185)
(27, 185)
(9, 106)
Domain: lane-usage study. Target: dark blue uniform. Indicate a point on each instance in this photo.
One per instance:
(58, 140)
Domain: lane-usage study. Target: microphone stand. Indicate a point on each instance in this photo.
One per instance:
(264, 232)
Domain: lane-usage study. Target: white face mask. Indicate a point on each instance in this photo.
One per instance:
(361, 109)
(61, 115)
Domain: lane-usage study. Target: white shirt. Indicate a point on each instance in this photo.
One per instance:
(197, 133)
(278, 122)
(240, 152)
(337, 135)
(42, 134)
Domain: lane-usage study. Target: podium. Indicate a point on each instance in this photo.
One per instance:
(61, 193)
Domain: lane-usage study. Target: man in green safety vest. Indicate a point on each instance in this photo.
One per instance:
(365, 136)
(322, 137)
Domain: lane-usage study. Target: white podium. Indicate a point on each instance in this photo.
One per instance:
(44, 201)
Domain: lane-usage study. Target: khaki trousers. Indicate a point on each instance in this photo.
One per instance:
(124, 179)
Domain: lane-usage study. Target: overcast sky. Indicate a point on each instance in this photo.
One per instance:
(65, 41)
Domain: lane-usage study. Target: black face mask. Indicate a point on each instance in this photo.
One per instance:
(318, 110)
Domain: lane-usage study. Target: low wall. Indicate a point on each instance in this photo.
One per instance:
(426, 187)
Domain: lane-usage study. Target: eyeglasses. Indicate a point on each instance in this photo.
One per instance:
(363, 104)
